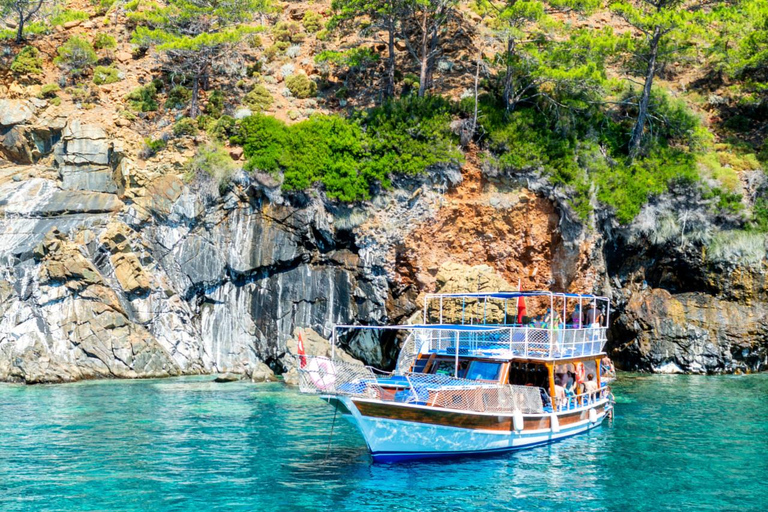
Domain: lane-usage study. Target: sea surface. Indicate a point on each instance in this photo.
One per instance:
(677, 443)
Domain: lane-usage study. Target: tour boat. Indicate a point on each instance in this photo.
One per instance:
(482, 373)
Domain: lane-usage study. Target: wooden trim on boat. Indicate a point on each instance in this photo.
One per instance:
(438, 416)
(433, 416)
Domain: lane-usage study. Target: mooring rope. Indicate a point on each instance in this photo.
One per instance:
(330, 437)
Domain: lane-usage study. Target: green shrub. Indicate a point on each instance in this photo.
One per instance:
(349, 156)
(254, 41)
(301, 86)
(178, 97)
(66, 16)
(185, 126)
(288, 32)
(215, 105)
(409, 135)
(312, 21)
(212, 161)
(27, 62)
(105, 75)
(76, 56)
(223, 128)
(153, 147)
(143, 99)
(259, 98)
(760, 215)
(49, 91)
(104, 41)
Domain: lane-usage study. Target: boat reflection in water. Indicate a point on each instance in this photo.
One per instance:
(483, 373)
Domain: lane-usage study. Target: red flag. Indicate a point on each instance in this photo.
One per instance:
(521, 311)
(300, 350)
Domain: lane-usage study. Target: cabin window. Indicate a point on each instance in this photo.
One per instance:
(480, 370)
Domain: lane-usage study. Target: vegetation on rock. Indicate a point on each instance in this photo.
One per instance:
(76, 56)
(27, 62)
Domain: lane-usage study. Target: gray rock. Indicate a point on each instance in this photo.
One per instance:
(227, 377)
(87, 178)
(14, 112)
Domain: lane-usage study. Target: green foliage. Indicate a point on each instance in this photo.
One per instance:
(185, 126)
(409, 135)
(354, 58)
(760, 215)
(212, 161)
(288, 32)
(104, 41)
(301, 86)
(105, 75)
(27, 62)
(259, 98)
(312, 21)
(178, 97)
(66, 16)
(223, 128)
(144, 99)
(49, 91)
(76, 56)
(215, 105)
(153, 147)
(350, 156)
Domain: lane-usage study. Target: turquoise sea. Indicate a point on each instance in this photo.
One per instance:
(676, 443)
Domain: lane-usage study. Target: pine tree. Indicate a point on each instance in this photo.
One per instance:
(383, 15)
(658, 21)
(24, 10)
(424, 22)
(193, 35)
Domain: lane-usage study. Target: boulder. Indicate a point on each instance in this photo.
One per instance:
(83, 144)
(262, 373)
(13, 112)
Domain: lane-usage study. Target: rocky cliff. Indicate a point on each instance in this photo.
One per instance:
(111, 269)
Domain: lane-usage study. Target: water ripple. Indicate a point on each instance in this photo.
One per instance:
(677, 443)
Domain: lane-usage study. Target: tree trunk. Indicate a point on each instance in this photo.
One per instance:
(508, 73)
(645, 98)
(390, 90)
(20, 29)
(193, 110)
(424, 57)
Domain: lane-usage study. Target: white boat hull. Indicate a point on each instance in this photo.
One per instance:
(391, 440)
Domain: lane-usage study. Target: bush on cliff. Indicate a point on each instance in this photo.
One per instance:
(211, 163)
(27, 62)
(76, 56)
(351, 156)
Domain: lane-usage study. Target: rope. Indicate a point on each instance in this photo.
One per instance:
(330, 437)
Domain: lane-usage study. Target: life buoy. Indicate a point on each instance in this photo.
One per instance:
(322, 373)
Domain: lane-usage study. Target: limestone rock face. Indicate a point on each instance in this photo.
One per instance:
(14, 112)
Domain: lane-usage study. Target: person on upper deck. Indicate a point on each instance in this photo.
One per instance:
(594, 317)
(576, 317)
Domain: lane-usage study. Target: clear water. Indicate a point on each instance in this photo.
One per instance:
(677, 443)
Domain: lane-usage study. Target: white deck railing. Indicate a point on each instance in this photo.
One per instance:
(509, 342)
(320, 375)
